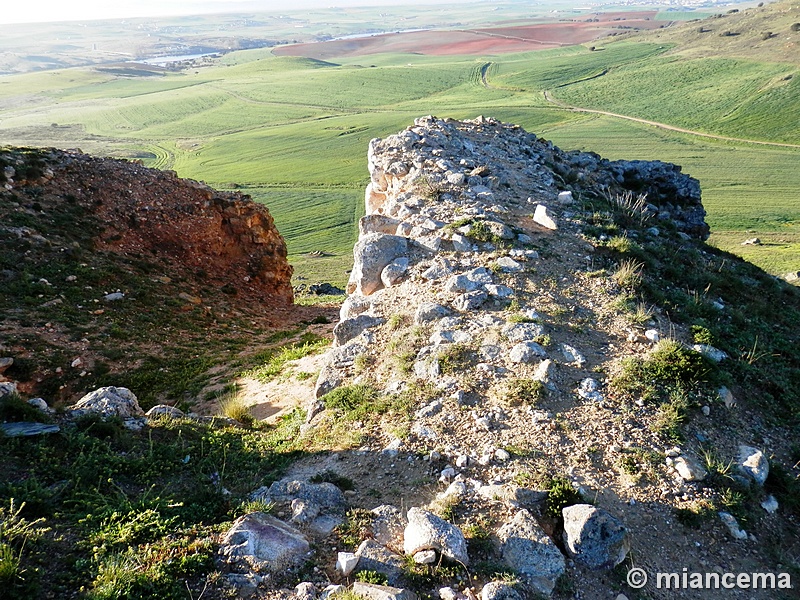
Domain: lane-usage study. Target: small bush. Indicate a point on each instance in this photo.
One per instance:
(454, 358)
(371, 577)
(524, 391)
(356, 528)
(670, 366)
(328, 476)
(14, 408)
(560, 495)
(696, 514)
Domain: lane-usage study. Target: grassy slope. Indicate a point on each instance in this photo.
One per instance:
(293, 132)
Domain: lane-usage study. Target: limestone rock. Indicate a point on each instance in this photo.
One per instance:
(496, 590)
(372, 591)
(594, 537)
(5, 363)
(328, 380)
(109, 402)
(164, 410)
(395, 271)
(733, 526)
(426, 531)
(7, 388)
(388, 526)
(429, 311)
(374, 557)
(325, 495)
(25, 429)
(305, 591)
(520, 332)
(531, 553)
(470, 301)
(754, 464)
(526, 352)
(351, 328)
(371, 254)
(353, 306)
(263, 543)
(544, 217)
(508, 265)
(572, 356)
(375, 223)
(689, 469)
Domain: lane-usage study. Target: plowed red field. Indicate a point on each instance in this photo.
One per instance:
(499, 40)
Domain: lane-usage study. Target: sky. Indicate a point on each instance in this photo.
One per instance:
(32, 11)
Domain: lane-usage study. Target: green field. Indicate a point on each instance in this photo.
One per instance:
(293, 132)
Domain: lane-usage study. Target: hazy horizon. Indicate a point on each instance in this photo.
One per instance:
(46, 11)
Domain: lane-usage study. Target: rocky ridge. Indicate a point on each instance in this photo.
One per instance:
(486, 285)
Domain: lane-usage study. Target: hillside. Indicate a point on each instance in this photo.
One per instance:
(289, 131)
(113, 270)
(542, 376)
(764, 33)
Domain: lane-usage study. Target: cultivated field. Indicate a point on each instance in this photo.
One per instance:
(293, 131)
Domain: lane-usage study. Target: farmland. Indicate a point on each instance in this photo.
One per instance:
(292, 131)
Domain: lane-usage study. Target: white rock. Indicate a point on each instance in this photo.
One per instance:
(572, 356)
(508, 265)
(332, 591)
(501, 455)
(689, 469)
(426, 531)
(652, 336)
(462, 461)
(425, 557)
(346, 562)
(727, 397)
(753, 463)
(594, 537)
(565, 197)
(110, 402)
(527, 549)
(588, 390)
(526, 352)
(770, 504)
(733, 526)
(544, 217)
(447, 474)
(710, 352)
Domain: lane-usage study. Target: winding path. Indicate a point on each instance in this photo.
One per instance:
(563, 105)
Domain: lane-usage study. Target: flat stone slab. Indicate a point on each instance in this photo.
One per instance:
(28, 429)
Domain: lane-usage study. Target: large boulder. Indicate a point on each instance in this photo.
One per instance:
(528, 550)
(379, 559)
(262, 543)
(594, 537)
(371, 254)
(426, 531)
(350, 328)
(109, 402)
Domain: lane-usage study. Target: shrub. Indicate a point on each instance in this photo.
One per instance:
(14, 408)
(524, 391)
(560, 495)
